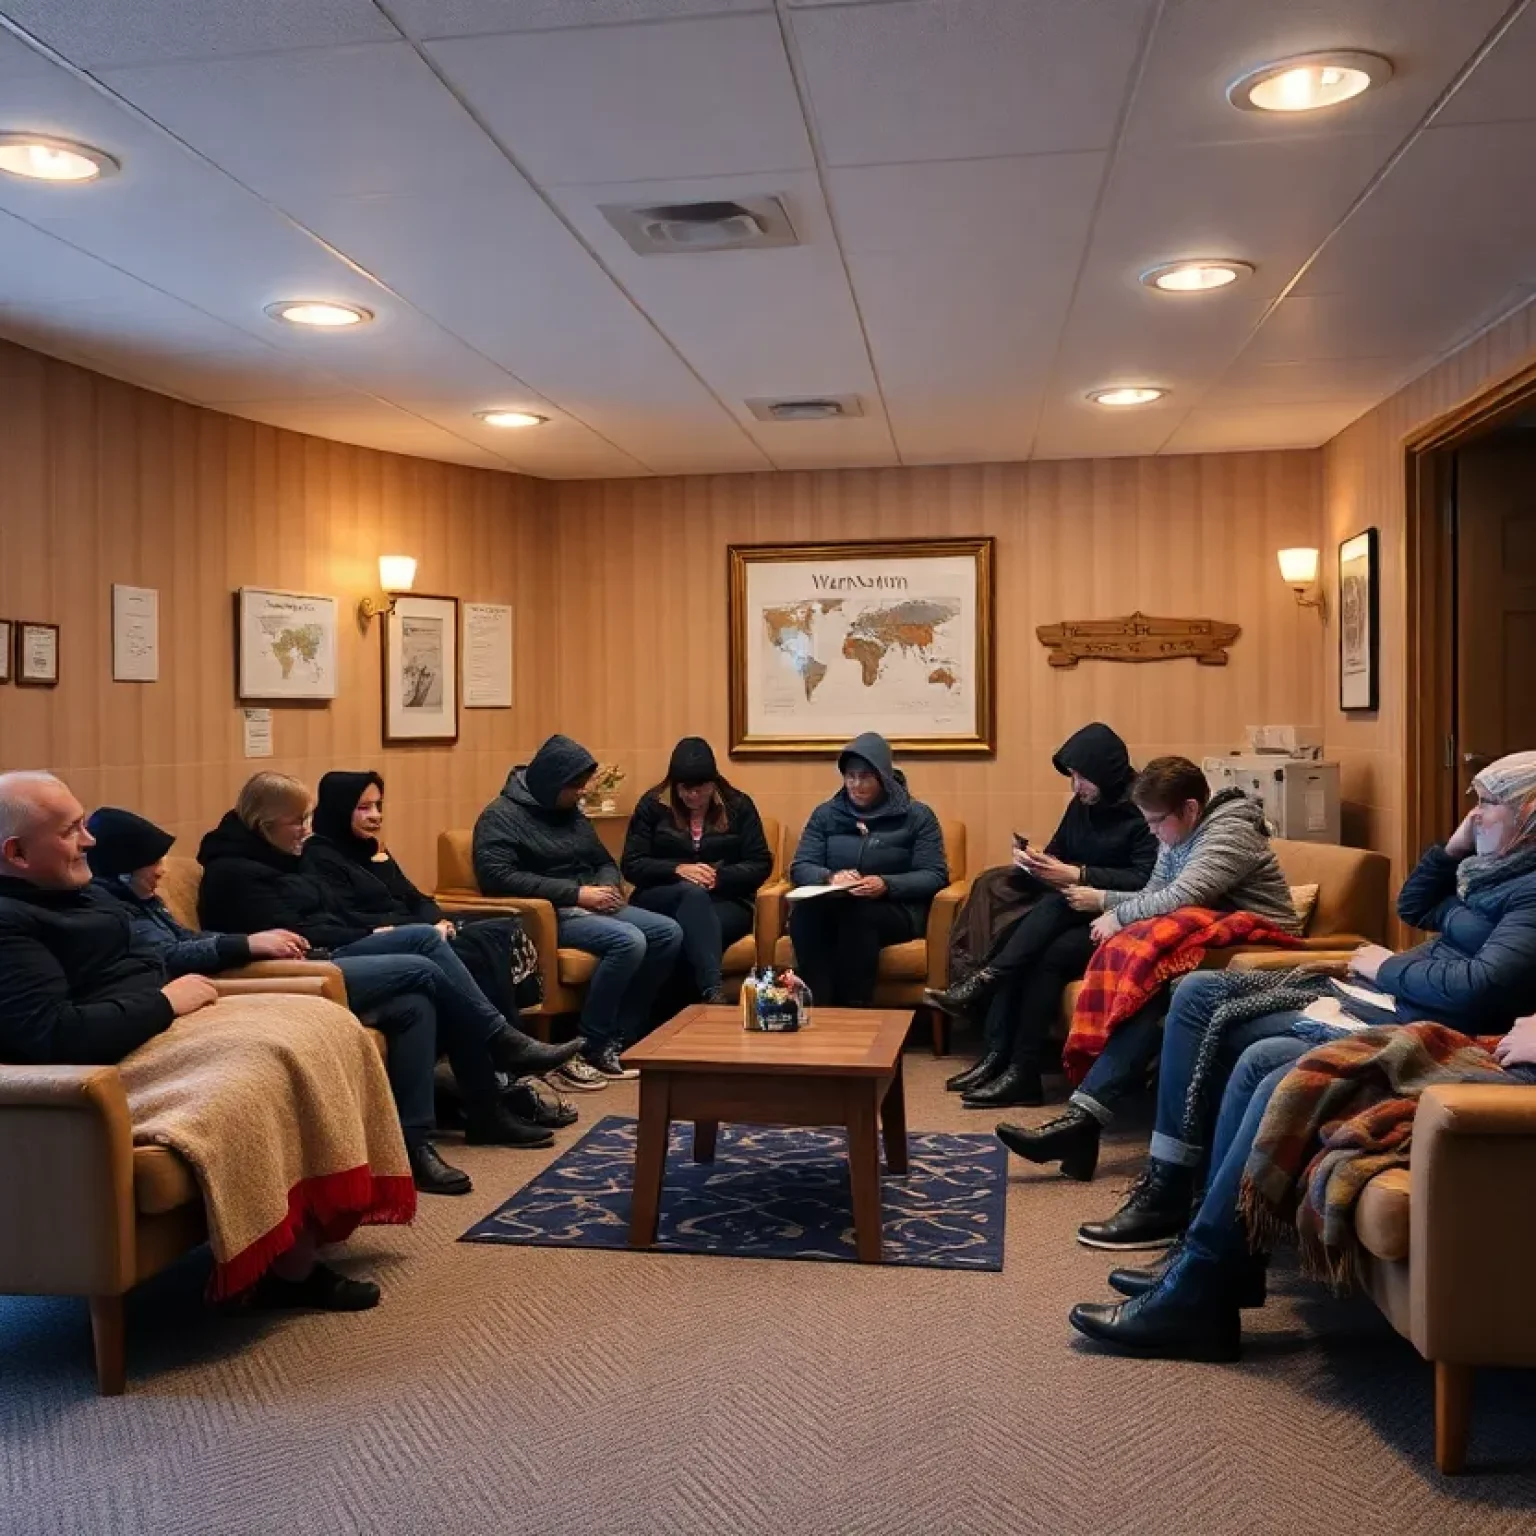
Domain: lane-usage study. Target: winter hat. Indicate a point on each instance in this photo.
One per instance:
(1506, 781)
(124, 842)
(693, 762)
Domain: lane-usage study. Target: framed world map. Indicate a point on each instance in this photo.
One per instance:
(285, 645)
(828, 640)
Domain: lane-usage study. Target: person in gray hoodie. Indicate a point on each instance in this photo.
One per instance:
(886, 853)
(533, 840)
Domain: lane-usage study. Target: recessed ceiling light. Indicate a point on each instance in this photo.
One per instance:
(319, 312)
(1195, 276)
(511, 418)
(1127, 394)
(39, 158)
(1308, 82)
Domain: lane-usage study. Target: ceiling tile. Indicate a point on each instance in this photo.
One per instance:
(368, 424)
(1072, 427)
(1251, 382)
(710, 97)
(103, 32)
(16, 58)
(1500, 89)
(955, 79)
(1246, 428)
(467, 18)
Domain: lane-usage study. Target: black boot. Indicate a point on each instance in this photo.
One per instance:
(964, 995)
(492, 1124)
(1191, 1314)
(1017, 1085)
(1156, 1211)
(1072, 1139)
(978, 1073)
(1248, 1283)
(518, 1054)
(433, 1176)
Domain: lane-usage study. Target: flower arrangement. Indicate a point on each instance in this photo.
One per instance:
(601, 793)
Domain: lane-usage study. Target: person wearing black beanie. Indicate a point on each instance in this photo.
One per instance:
(696, 853)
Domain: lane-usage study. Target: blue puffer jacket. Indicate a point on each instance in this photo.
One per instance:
(1478, 974)
(899, 839)
(184, 951)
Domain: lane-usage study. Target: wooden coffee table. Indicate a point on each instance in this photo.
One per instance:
(845, 1069)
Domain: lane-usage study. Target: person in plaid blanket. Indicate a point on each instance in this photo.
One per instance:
(1475, 978)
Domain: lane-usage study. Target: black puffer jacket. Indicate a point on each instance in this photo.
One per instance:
(525, 845)
(1110, 838)
(898, 839)
(656, 845)
(249, 886)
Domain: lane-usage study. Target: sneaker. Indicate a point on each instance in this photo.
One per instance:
(607, 1064)
(577, 1077)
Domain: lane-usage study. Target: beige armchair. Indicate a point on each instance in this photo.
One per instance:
(565, 972)
(905, 969)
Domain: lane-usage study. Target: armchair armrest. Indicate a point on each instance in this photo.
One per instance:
(770, 915)
(332, 984)
(941, 919)
(1472, 1245)
(285, 986)
(1325, 962)
(66, 1201)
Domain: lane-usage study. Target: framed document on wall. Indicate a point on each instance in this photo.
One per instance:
(37, 655)
(828, 640)
(421, 669)
(7, 640)
(1359, 621)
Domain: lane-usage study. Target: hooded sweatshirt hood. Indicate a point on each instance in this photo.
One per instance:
(124, 842)
(232, 839)
(1233, 803)
(557, 763)
(1100, 756)
(335, 800)
(876, 751)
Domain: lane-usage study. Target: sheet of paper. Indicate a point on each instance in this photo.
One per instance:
(258, 732)
(1365, 995)
(806, 892)
(487, 662)
(1317, 811)
(135, 634)
(1328, 1010)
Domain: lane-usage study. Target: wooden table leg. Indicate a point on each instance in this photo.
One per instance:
(650, 1157)
(893, 1123)
(864, 1167)
(704, 1140)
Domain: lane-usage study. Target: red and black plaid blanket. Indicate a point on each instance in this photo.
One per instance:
(1125, 973)
(1343, 1114)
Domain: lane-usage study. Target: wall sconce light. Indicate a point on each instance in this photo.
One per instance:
(397, 574)
(1298, 567)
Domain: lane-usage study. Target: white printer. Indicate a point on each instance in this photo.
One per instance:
(1299, 792)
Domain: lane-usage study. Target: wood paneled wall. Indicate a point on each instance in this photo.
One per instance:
(103, 483)
(641, 655)
(1365, 485)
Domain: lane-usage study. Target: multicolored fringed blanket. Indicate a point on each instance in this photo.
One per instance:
(1125, 973)
(1342, 1115)
(280, 1105)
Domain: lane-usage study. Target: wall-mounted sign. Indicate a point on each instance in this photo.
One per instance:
(1138, 637)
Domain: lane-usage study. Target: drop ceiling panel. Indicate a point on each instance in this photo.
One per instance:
(1323, 327)
(709, 97)
(102, 32)
(369, 424)
(1250, 382)
(956, 79)
(16, 58)
(1503, 87)
(1074, 428)
(1201, 46)
(466, 18)
(1213, 430)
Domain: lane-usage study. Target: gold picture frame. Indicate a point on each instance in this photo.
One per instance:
(813, 626)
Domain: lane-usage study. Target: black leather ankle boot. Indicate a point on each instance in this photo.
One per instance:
(1072, 1139)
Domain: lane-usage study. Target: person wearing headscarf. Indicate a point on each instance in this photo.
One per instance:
(885, 853)
(695, 851)
(534, 840)
(1475, 894)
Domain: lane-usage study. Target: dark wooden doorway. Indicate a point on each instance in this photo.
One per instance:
(1471, 548)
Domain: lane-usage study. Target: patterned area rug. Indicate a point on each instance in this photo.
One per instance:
(771, 1193)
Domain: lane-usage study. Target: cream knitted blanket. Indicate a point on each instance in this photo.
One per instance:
(281, 1106)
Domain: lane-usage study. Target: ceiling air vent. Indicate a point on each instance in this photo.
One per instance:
(673, 229)
(811, 408)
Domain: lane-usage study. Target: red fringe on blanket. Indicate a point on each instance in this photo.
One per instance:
(337, 1204)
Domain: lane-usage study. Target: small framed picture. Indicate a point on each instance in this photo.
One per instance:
(7, 640)
(421, 669)
(37, 655)
(1359, 621)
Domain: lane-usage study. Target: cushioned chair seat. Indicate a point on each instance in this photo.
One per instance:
(898, 962)
(1381, 1218)
(576, 967)
(161, 1181)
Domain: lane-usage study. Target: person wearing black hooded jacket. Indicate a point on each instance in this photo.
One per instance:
(533, 840)
(886, 852)
(1102, 840)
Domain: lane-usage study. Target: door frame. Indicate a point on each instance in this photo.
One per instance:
(1430, 547)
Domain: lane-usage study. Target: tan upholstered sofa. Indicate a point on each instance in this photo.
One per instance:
(565, 972)
(83, 1212)
(1443, 1251)
(905, 969)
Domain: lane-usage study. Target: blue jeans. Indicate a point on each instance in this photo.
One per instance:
(1216, 1234)
(635, 951)
(1121, 1067)
(458, 989)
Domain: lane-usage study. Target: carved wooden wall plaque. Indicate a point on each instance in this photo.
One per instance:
(1138, 638)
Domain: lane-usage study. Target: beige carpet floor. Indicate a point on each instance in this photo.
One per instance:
(551, 1391)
